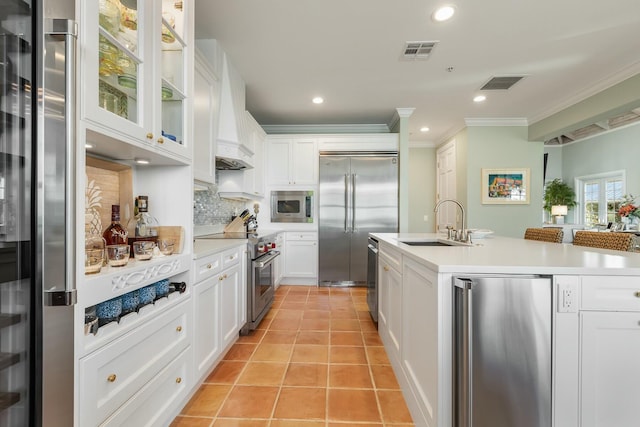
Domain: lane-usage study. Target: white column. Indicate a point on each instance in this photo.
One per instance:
(402, 128)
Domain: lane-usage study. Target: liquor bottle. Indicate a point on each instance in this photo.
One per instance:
(115, 234)
(145, 224)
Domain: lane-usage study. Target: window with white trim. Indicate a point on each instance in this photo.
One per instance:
(599, 197)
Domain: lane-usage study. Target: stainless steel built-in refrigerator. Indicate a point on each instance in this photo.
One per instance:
(37, 212)
(502, 351)
(358, 195)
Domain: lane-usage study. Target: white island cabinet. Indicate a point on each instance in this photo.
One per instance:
(595, 318)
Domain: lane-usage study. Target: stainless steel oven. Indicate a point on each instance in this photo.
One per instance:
(261, 279)
(292, 206)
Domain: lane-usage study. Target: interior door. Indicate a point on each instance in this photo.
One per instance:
(334, 219)
(375, 206)
(446, 184)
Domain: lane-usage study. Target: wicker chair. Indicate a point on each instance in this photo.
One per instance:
(553, 235)
(604, 240)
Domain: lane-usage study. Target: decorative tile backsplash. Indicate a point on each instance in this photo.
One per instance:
(210, 209)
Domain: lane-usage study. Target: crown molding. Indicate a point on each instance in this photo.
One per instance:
(321, 129)
(507, 121)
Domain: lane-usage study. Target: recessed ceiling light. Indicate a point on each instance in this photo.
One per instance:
(424, 129)
(443, 13)
(142, 161)
(479, 98)
(88, 146)
(318, 100)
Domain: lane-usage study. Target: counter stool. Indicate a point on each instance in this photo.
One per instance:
(553, 235)
(604, 240)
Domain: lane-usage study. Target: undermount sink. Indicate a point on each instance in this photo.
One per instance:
(426, 243)
(433, 242)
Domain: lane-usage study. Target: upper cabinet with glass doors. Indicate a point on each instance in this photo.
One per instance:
(135, 56)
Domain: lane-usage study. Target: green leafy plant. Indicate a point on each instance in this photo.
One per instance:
(556, 193)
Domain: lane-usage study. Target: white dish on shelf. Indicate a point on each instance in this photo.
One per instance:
(480, 233)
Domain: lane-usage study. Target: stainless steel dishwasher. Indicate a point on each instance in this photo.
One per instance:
(372, 278)
(502, 351)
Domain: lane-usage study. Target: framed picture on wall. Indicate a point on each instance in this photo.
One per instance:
(505, 186)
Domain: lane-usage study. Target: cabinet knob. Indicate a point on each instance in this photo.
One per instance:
(111, 378)
(149, 135)
(178, 380)
(179, 328)
(221, 278)
(209, 266)
(161, 140)
(225, 276)
(385, 268)
(637, 294)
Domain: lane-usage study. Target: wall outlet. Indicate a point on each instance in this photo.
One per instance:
(426, 218)
(567, 298)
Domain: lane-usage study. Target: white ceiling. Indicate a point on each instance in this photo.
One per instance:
(348, 51)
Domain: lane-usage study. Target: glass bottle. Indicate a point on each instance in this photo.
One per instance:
(145, 224)
(115, 234)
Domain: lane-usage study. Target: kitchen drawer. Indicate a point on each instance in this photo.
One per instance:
(232, 257)
(157, 400)
(291, 235)
(112, 375)
(620, 293)
(207, 267)
(391, 256)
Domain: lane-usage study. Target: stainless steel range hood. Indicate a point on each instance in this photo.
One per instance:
(226, 163)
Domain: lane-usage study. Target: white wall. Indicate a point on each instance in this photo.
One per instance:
(502, 147)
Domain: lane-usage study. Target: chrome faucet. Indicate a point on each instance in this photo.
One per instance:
(460, 235)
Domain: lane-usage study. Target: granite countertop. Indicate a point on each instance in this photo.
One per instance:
(508, 255)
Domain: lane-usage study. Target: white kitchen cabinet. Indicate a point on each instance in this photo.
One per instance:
(136, 73)
(118, 372)
(206, 339)
(292, 162)
(231, 305)
(420, 337)
(390, 301)
(301, 260)
(205, 115)
(278, 263)
(610, 350)
(610, 371)
(219, 305)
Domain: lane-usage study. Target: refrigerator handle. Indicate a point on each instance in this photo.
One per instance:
(353, 203)
(346, 203)
(462, 367)
(66, 31)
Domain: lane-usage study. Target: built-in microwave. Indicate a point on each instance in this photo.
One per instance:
(292, 206)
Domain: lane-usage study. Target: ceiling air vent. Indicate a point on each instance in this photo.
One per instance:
(417, 50)
(501, 83)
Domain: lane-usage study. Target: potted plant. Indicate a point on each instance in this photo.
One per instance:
(558, 193)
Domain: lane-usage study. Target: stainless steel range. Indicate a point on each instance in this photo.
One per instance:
(260, 278)
(261, 252)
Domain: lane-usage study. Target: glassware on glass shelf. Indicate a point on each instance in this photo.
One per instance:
(109, 16)
(109, 55)
(167, 35)
(129, 18)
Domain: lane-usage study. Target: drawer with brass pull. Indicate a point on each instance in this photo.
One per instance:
(617, 293)
(114, 373)
(207, 267)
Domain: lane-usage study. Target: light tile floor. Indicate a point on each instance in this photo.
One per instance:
(316, 360)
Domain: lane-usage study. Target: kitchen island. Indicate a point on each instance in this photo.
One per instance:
(595, 310)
